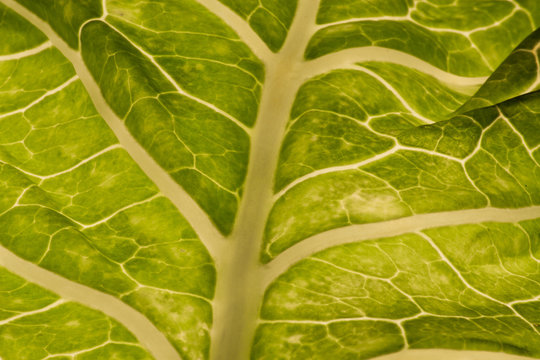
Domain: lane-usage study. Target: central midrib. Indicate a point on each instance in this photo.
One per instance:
(239, 291)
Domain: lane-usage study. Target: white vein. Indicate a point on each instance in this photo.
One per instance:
(22, 54)
(396, 94)
(518, 134)
(79, 164)
(33, 312)
(355, 166)
(74, 354)
(466, 33)
(360, 232)
(333, 169)
(42, 97)
(468, 285)
(202, 59)
(408, 17)
(398, 147)
(347, 57)
(389, 320)
(238, 291)
(178, 87)
(445, 354)
(122, 209)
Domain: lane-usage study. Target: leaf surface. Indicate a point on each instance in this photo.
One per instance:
(269, 179)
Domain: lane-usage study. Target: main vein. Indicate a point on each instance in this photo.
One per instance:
(238, 292)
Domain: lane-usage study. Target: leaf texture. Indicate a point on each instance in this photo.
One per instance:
(365, 176)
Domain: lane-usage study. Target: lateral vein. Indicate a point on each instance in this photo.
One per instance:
(361, 232)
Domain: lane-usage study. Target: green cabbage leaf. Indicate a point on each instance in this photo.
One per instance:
(269, 179)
